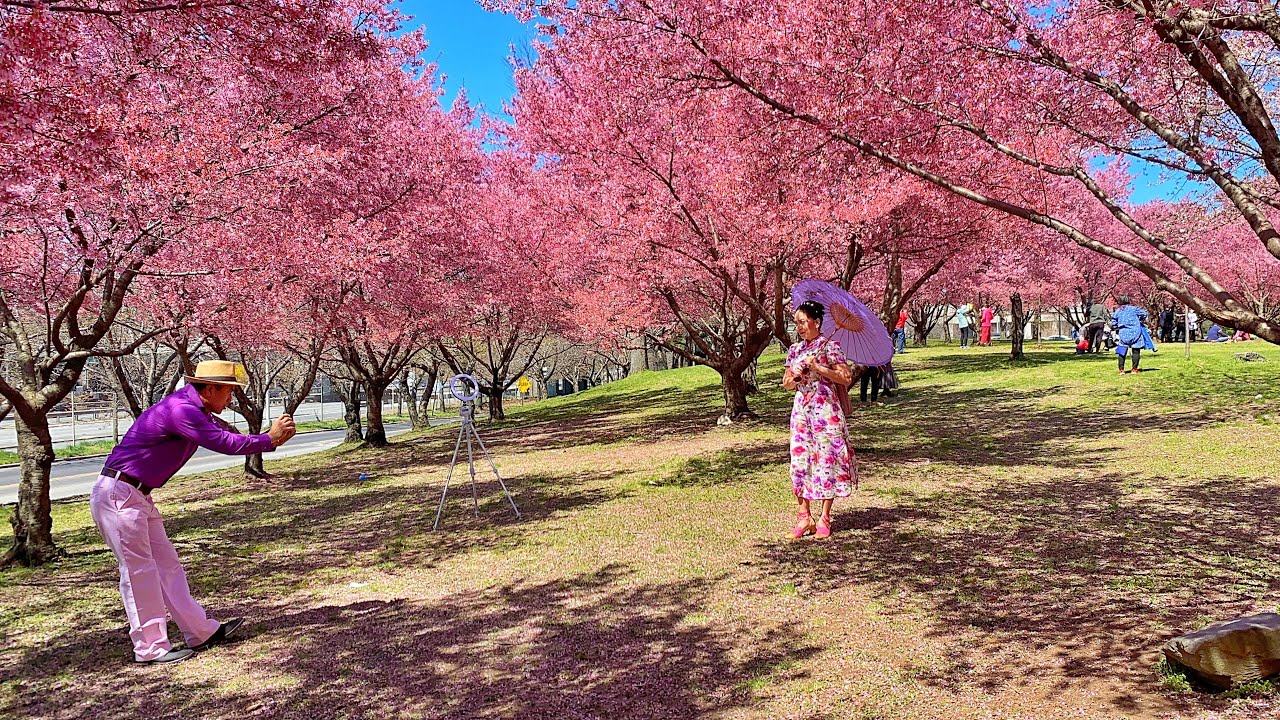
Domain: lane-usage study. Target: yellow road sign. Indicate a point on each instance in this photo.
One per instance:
(523, 385)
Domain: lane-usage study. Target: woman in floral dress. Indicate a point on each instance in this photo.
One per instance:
(822, 463)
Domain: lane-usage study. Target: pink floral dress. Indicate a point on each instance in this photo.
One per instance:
(822, 462)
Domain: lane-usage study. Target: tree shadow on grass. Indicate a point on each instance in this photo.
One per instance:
(1006, 429)
(388, 522)
(609, 419)
(1085, 577)
(596, 645)
(982, 362)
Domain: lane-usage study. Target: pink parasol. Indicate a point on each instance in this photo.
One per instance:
(847, 321)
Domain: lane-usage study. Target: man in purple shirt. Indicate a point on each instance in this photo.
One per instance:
(164, 437)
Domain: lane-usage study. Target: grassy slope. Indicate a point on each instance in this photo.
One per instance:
(1024, 540)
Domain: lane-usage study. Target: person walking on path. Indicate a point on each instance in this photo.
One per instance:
(1128, 321)
(900, 332)
(156, 446)
(988, 314)
(822, 462)
(964, 319)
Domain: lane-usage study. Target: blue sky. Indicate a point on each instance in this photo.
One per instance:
(471, 46)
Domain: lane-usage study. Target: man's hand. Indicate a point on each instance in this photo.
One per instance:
(282, 430)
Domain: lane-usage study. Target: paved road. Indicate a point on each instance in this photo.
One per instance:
(88, 428)
(76, 477)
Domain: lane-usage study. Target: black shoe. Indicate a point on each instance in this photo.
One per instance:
(222, 634)
(172, 656)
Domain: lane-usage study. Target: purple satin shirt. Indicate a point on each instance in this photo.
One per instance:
(167, 434)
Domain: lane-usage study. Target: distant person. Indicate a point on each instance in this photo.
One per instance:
(1215, 334)
(1098, 317)
(1241, 336)
(1166, 324)
(162, 440)
(870, 379)
(900, 332)
(988, 314)
(964, 318)
(1128, 321)
(822, 462)
(1193, 325)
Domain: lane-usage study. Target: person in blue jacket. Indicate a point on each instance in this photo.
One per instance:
(1147, 342)
(1128, 321)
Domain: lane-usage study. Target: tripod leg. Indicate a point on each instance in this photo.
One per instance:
(496, 474)
(471, 464)
(447, 477)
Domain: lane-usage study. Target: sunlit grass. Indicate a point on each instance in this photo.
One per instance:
(1007, 510)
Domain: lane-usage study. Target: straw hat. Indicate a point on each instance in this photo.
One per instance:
(219, 372)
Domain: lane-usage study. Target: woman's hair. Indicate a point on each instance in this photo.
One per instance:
(813, 310)
(1122, 299)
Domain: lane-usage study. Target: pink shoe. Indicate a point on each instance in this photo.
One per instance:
(803, 527)
(823, 530)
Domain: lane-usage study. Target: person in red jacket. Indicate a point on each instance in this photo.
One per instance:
(900, 332)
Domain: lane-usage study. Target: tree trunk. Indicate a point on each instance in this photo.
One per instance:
(411, 392)
(253, 463)
(424, 408)
(31, 519)
(253, 466)
(496, 411)
(1016, 326)
(124, 389)
(350, 394)
(735, 397)
(892, 300)
(376, 436)
(431, 375)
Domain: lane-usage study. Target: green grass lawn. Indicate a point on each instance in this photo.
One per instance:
(340, 424)
(1026, 536)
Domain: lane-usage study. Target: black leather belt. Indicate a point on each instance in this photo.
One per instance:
(126, 479)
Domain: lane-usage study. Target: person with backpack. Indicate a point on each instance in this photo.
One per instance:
(1093, 331)
(822, 462)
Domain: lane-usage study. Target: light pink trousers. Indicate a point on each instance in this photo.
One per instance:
(151, 576)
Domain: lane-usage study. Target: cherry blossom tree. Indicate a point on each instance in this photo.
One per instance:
(692, 210)
(136, 143)
(994, 101)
